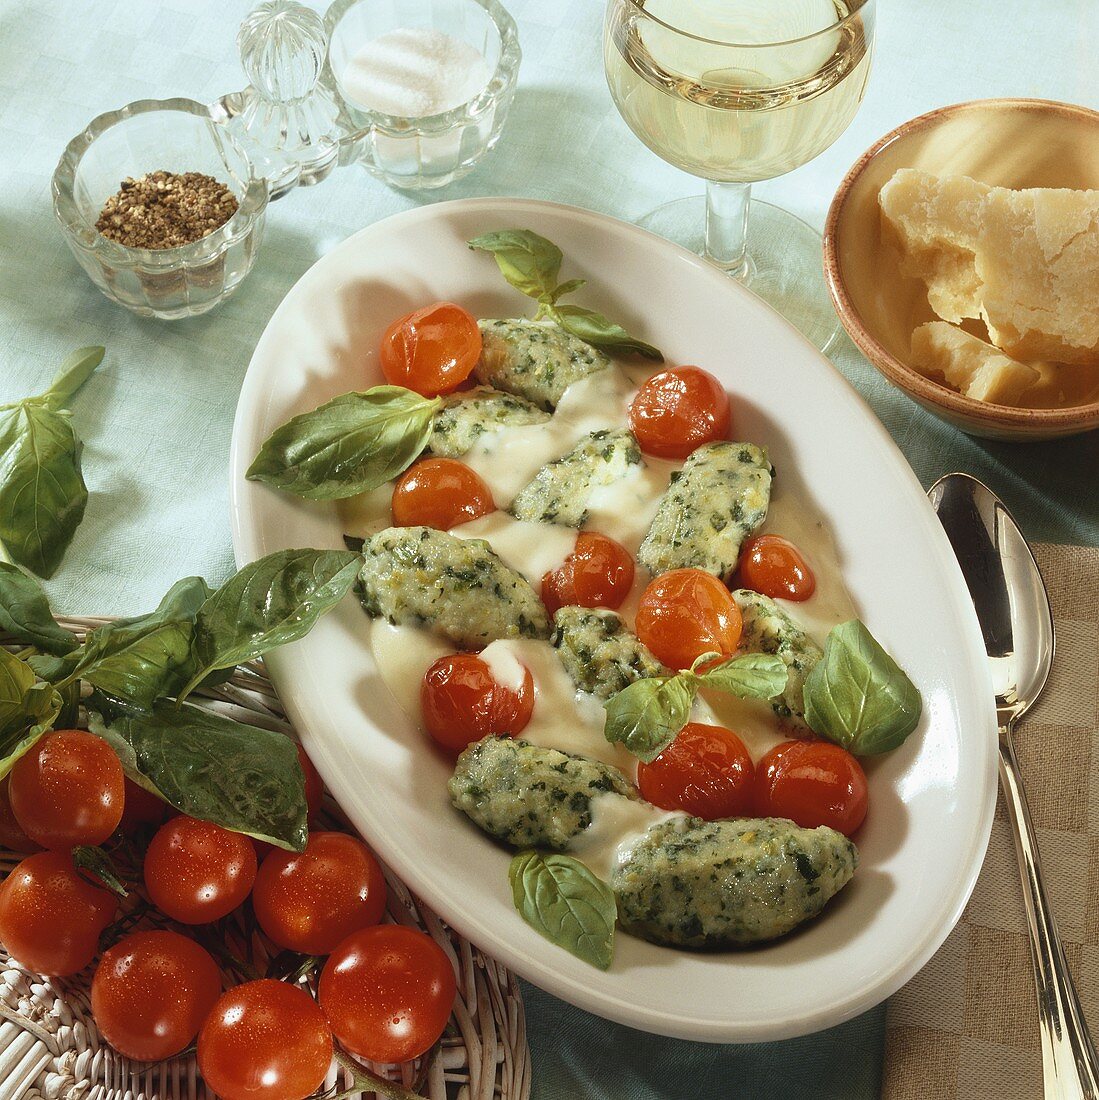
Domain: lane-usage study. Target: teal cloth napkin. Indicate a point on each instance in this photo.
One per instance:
(156, 419)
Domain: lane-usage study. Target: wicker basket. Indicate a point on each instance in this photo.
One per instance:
(50, 1047)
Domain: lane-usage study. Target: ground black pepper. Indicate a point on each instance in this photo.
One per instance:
(166, 209)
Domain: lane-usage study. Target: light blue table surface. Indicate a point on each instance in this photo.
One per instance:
(156, 419)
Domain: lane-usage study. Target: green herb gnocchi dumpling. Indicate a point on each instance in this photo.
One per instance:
(562, 489)
(719, 499)
(695, 883)
(537, 360)
(599, 652)
(468, 415)
(531, 797)
(459, 588)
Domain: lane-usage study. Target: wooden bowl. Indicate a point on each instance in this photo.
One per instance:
(1002, 142)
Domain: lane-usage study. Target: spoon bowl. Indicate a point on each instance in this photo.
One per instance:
(1007, 588)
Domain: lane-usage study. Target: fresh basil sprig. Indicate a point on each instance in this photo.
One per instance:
(240, 777)
(564, 902)
(42, 490)
(27, 709)
(268, 603)
(351, 445)
(647, 715)
(531, 264)
(25, 613)
(858, 696)
(139, 659)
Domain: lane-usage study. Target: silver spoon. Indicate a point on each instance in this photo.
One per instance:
(1013, 609)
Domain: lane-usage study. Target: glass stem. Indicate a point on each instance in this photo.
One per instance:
(727, 226)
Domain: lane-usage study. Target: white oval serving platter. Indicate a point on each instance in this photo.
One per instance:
(931, 802)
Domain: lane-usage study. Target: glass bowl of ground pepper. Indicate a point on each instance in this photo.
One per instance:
(161, 207)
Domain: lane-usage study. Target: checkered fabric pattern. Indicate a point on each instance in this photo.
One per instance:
(966, 1027)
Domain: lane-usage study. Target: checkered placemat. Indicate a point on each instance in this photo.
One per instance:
(966, 1027)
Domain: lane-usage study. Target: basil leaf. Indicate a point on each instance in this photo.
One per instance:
(16, 679)
(569, 287)
(858, 696)
(268, 603)
(139, 659)
(73, 373)
(25, 614)
(750, 676)
(647, 715)
(22, 726)
(593, 328)
(562, 900)
(99, 867)
(42, 490)
(240, 777)
(354, 443)
(529, 262)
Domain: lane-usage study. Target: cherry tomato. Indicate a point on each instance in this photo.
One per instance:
(68, 789)
(775, 567)
(309, 901)
(142, 807)
(598, 573)
(265, 1040)
(12, 836)
(314, 785)
(461, 702)
(812, 783)
(677, 410)
(432, 350)
(685, 613)
(388, 992)
(51, 916)
(151, 992)
(440, 492)
(196, 871)
(706, 771)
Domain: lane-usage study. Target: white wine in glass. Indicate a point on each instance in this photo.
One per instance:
(736, 91)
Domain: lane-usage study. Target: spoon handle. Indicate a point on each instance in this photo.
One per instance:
(1070, 1066)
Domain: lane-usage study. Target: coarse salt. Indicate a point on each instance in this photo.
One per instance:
(414, 72)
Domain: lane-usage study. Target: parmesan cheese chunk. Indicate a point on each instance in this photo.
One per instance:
(969, 365)
(1038, 261)
(937, 223)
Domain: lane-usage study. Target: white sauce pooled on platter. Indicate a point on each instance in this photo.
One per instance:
(564, 718)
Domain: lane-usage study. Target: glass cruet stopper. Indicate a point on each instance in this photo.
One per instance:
(286, 117)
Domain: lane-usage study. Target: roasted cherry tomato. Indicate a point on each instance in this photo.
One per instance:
(440, 492)
(196, 871)
(68, 789)
(706, 771)
(142, 807)
(309, 901)
(774, 566)
(687, 612)
(151, 992)
(598, 573)
(265, 1040)
(388, 992)
(51, 916)
(12, 835)
(314, 785)
(432, 350)
(677, 410)
(462, 702)
(812, 783)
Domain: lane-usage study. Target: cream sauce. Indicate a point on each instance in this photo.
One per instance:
(564, 718)
(617, 824)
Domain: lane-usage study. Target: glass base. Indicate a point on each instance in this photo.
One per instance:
(784, 261)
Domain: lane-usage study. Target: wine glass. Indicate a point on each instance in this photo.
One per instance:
(737, 91)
